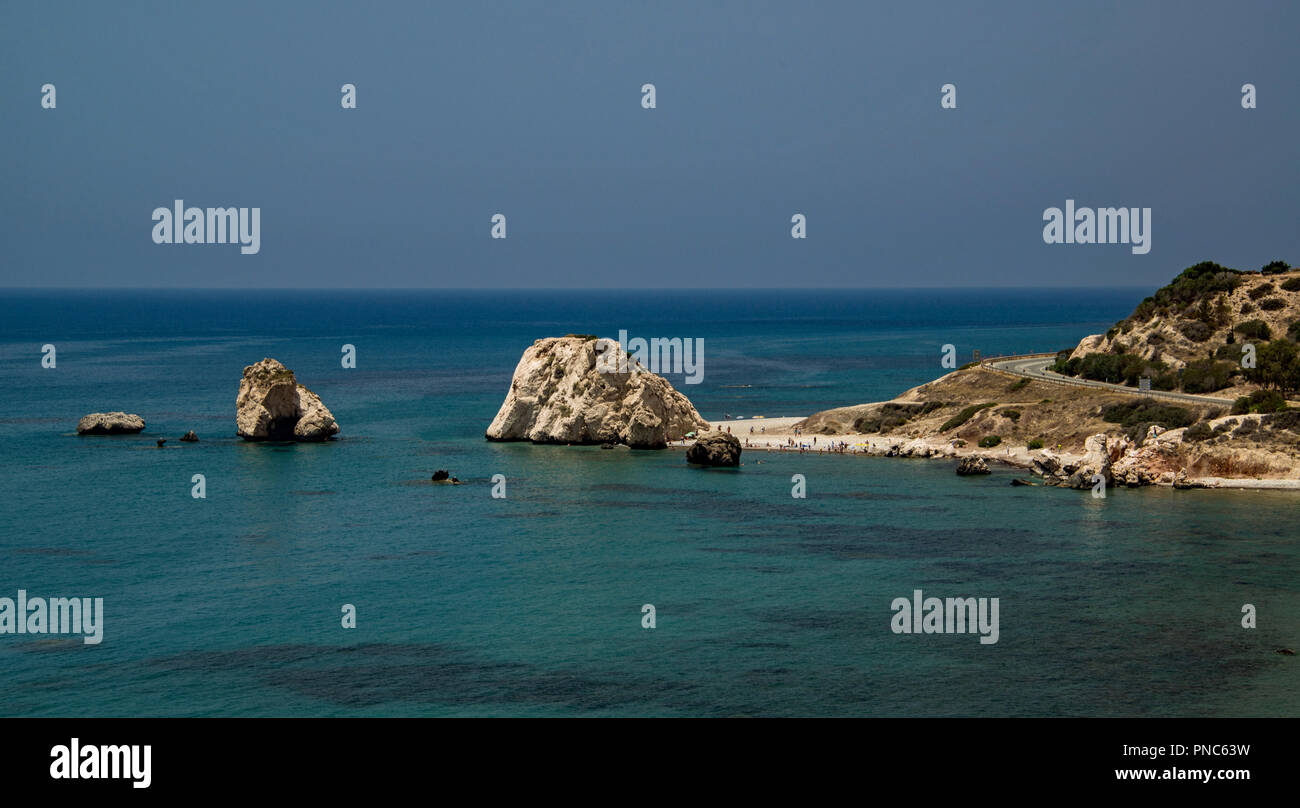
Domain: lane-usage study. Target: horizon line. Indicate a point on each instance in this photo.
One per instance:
(578, 289)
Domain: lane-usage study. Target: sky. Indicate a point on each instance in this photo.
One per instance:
(534, 110)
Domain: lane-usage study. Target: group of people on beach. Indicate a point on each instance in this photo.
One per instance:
(790, 445)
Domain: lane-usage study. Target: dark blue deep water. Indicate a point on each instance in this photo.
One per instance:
(531, 605)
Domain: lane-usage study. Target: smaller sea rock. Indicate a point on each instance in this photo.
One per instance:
(161, 441)
(972, 465)
(110, 423)
(190, 437)
(720, 450)
(442, 476)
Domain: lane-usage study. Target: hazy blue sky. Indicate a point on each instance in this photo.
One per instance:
(532, 109)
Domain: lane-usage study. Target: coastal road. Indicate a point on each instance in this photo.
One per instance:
(1036, 367)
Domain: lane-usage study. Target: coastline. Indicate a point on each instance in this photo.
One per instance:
(777, 435)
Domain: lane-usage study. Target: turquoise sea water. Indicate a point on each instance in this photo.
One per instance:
(531, 605)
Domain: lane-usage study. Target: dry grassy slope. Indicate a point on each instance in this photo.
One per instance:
(1172, 347)
(1066, 415)
(1053, 412)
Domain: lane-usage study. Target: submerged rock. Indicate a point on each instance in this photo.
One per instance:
(271, 405)
(559, 394)
(972, 465)
(719, 449)
(161, 441)
(110, 423)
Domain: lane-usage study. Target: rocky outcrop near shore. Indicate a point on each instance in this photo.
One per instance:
(719, 450)
(1082, 472)
(110, 423)
(972, 465)
(272, 405)
(559, 395)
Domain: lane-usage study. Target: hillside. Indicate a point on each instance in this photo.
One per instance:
(1181, 337)
(1191, 335)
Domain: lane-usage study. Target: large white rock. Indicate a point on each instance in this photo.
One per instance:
(271, 405)
(559, 395)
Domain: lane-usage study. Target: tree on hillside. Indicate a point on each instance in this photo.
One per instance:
(1277, 365)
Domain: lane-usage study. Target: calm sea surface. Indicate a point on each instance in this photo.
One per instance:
(531, 605)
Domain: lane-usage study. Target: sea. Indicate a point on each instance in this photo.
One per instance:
(534, 603)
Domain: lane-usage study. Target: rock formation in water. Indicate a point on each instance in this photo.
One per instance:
(717, 449)
(559, 395)
(190, 437)
(271, 405)
(972, 464)
(110, 423)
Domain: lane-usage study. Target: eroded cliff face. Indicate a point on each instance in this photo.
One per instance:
(559, 394)
(271, 405)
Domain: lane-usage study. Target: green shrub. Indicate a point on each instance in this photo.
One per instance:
(1274, 268)
(1287, 419)
(1036, 443)
(1207, 375)
(1196, 331)
(892, 415)
(1014, 415)
(1204, 280)
(1230, 351)
(1019, 385)
(1277, 364)
(1260, 291)
(965, 415)
(1198, 432)
(1247, 308)
(989, 441)
(1165, 381)
(1131, 413)
(1291, 284)
(1272, 304)
(1254, 329)
(1260, 401)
